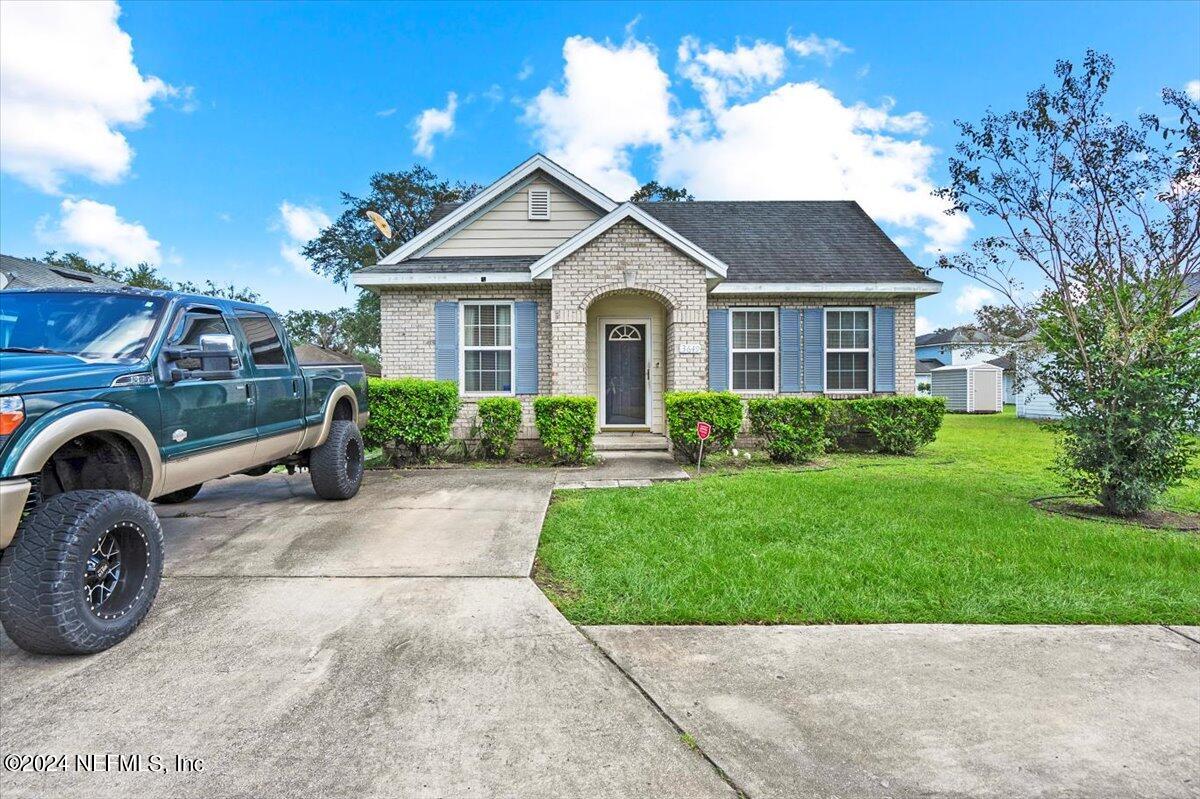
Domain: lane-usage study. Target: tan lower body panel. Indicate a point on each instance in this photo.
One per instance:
(12, 501)
(225, 461)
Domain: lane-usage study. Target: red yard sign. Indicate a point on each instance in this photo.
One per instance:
(703, 430)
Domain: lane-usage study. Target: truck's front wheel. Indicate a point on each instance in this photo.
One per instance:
(81, 573)
(336, 467)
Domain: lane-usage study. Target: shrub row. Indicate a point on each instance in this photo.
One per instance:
(410, 412)
(796, 429)
(566, 426)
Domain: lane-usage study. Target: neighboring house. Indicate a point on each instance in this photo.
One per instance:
(314, 355)
(22, 273)
(541, 284)
(963, 345)
(1032, 403)
(924, 373)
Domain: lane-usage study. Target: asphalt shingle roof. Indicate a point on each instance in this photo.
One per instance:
(790, 241)
(23, 273)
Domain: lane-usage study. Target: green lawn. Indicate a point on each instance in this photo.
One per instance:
(947, 536)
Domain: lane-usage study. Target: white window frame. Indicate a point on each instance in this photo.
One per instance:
(775, 350)
(511, 349)
(870, 350)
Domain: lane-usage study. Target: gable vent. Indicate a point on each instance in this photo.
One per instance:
(539, 203)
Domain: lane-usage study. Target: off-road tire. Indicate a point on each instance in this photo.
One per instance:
(336, 466)
(45, 606)
(182, 495)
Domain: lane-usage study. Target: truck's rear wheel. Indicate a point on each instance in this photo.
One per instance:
(182, 495)
(336, 467)
(81, 573)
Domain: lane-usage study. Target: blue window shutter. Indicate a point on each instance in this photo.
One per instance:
(718, 349)
(525, 329)
(445, 341)
(885, 349)
(789, 349)
(814, 349)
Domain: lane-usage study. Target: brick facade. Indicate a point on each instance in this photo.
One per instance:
(627, 259)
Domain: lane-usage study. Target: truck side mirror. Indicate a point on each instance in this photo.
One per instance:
(217, 354)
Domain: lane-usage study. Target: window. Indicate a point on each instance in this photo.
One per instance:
(752, 349)
(194, 323)
(848, 350)
(487, 347)
(265, 347)
(539, 204)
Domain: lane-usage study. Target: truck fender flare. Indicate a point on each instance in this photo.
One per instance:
(94, 419)
(315, 436)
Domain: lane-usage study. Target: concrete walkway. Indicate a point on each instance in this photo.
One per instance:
(630, 469)
(930, 710)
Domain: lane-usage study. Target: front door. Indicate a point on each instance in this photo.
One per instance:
(625, 375)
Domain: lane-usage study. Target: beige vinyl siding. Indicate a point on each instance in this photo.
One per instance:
(631, 307)
(507, 230)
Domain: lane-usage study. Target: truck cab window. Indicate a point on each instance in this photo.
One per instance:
(265, 347)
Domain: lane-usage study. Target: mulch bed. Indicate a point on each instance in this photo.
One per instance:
(1081, 508)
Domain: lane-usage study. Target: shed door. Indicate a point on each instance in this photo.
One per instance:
(986, 389)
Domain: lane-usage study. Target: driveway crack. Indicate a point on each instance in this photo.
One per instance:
(684, 735)
(1181, 633)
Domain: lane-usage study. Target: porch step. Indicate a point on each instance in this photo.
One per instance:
(629, 442)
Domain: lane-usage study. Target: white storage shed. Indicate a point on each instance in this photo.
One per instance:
(970, 388)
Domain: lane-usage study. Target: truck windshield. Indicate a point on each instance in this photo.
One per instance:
(90, 325)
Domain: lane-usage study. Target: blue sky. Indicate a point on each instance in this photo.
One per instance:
(243, 122)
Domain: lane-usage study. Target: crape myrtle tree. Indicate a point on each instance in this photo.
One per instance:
(406, 200)
(1104, 215)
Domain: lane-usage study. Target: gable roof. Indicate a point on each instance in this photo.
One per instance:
(963, 334)
(628, 211)
(24, 273)
(493, 192)
(791, 241)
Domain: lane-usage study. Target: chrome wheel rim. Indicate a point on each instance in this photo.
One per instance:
(116, 571)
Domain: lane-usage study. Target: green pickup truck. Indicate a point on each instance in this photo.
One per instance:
(113, 399)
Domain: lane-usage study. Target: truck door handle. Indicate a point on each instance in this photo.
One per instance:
(295, 387)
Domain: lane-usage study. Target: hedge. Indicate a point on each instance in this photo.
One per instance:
(499, 423)
(411, 412)
(899, 425)
(793, 428)
(721, 409)
(566, 426)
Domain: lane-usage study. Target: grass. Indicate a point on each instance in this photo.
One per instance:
(946, 536)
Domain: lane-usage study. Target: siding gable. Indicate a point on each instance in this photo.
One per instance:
(504, 228)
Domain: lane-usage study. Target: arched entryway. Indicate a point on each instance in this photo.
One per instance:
(626, 340)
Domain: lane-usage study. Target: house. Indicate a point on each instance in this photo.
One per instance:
(1033, 403)
(541, 284)
(23, 273)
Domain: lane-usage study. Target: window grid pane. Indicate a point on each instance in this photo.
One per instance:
(848, 346)
(753, 350)
(487, 348)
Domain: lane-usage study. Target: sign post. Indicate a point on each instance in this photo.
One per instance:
(703, 431)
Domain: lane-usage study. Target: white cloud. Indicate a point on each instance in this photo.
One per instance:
(720, 74)
(97, 232)
(813, 46)
(526, 71)
(301, 224)
(972, 298)
(1193, 89)
(433, 122)
(798, 141)
(387, 112)
(70, 83)
(494, 94)
(613, 98)
(924, 326)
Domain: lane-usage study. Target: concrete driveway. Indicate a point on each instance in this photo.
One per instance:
(391, 646)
